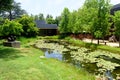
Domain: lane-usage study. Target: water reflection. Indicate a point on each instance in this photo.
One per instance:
(66, 57)
(109, 75)
(53, 54)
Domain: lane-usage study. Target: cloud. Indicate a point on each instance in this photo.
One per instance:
(115, 2)
(55, 2)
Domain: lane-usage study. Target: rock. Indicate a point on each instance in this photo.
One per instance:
(42, 57)
(15, 44)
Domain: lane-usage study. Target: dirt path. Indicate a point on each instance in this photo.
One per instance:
(112, 44)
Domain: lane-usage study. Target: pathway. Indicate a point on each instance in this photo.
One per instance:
(112, 44)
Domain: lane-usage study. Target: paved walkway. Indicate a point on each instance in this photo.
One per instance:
(112, 44)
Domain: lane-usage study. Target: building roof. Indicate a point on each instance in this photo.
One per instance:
(43, 25)
(115, 8)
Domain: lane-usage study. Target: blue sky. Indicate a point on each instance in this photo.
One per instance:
(53, 7)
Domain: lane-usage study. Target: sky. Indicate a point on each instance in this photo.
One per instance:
(53, 7)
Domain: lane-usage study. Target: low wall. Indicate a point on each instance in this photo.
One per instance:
(81, 36)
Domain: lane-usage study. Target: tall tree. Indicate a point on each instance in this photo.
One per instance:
(49, 19)
(72, 21)
(57, 20)
(85, 16)
(64, 28)
(41, 16)
(36, 17)
(15, 12)
(5, 5)
(49, 16)
(117, 24)
(102, 19)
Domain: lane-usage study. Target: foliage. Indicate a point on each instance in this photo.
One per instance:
(50, 21)
(98, 34)
(1, 20)
(92, 18)
(11, 28)
(5, 5)
(102, 18)
(63, 27)
(38, 17)
(117, 24)
(29, 26)
(41, 16)
(104, 60)
(57, 20)
(15, 12)
(72, 21)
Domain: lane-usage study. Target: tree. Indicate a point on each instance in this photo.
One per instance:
(72, 21)
(49, 19)
(85, 17)
(102, 24)
(11, 28)
(36, 17)
(14, 12)
(29, 26)
(57, 20)
(5, 5)
(49, 16)
(117, 24)
(17, 11)
(41, 16)
(63, 27)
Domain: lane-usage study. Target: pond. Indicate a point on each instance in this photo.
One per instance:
(96, 62)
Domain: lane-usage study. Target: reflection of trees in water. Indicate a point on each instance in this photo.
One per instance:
(67, 57)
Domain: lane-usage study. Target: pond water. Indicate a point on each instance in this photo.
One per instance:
(67, 58)
(53, 54)
(97, 62)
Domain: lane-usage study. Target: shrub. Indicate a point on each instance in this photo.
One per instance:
(10, 28)
(29, 26)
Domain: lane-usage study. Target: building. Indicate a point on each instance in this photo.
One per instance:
(115, 8)
(46, 29)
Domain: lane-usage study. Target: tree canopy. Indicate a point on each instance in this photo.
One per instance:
(11, 28)
(92, 17)
(117, 24)
(15, 12)
(29, 26)
(64, 28)
(5, 5)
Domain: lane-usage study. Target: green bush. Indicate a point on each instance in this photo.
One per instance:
(29, 26)
(10, 28)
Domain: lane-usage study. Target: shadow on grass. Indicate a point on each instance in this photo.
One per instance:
(9, 53)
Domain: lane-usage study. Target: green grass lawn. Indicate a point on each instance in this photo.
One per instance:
(25, 64)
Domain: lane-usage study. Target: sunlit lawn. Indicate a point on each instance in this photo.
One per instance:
(25, 64)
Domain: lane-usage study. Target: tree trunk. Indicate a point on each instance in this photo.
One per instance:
(119, 41)
(92, 39)
(98, 41)
(103, 39)
(10, 15)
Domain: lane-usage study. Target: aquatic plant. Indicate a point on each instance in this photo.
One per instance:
(104, 60)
